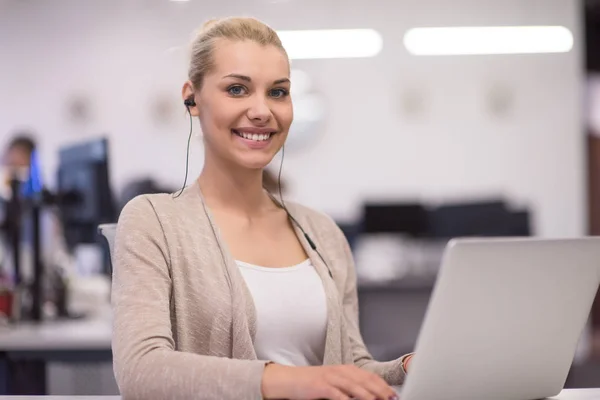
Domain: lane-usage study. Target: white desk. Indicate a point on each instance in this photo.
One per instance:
(566, 394)
(86, 337)
(74, 356)
(578, 394)
(60, 397)
(82, 334)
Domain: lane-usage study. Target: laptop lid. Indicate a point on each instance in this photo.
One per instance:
(504, 319)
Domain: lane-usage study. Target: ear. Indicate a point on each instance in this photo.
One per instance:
(186, 92)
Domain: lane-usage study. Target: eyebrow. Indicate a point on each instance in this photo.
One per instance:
(248, 79)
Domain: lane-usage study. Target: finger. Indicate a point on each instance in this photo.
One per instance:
(373, 383)
(378, 387)
(334, 393)
(351, 387)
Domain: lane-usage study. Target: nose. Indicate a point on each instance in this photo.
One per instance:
(259, 110)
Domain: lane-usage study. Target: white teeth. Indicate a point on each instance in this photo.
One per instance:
(255, 136)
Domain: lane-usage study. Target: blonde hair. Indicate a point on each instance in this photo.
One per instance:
(231, 28)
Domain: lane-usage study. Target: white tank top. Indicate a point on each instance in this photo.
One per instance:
(291, 311)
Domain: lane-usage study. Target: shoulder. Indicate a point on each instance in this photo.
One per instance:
(161, 212)
(148, 220)
(139, 215)
(144, 207)
(170, 206)
(177, 218)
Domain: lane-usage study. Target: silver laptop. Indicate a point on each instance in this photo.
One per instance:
(504, 319)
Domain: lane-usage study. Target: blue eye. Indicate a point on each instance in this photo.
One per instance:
(279, 93)
(236, 90)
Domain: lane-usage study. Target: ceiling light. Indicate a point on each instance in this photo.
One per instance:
(488, 40)
(331, 43)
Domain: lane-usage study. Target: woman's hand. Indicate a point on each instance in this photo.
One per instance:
(339, 382)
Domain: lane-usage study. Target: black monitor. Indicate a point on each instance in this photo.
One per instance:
(485, 218)
(404, 218)
(84, 193)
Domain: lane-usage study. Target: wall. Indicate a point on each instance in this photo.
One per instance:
(116, 54)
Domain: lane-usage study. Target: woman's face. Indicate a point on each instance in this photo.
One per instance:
(244, 103)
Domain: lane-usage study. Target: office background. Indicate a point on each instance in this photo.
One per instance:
(516, 133)
(396, 125)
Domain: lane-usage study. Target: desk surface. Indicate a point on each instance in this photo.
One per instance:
(61, 397)
(568, 394)
(578, 394)
(80, 334)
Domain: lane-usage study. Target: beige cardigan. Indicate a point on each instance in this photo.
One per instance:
(184, 320)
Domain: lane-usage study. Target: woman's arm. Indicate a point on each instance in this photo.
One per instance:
(391, 371)
(146, 364)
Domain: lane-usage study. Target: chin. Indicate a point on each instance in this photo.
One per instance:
(254, 161)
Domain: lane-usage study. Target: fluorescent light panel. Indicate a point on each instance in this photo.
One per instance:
(488, 40)
(331, 43)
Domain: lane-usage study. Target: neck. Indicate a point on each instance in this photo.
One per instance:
(238, 190)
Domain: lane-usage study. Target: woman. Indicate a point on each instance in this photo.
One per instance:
(205, 302)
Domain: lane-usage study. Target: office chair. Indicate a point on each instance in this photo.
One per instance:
(107, 232)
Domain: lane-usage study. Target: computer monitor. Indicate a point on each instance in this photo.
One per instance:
(85, 197)
(405, 218)
(477, 218)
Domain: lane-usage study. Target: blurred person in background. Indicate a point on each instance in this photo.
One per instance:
(19, 150)
(17, 160)
(221, 290)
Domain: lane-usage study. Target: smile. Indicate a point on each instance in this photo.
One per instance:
(257, 137)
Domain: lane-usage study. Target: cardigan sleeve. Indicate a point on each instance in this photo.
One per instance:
(146, 363)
